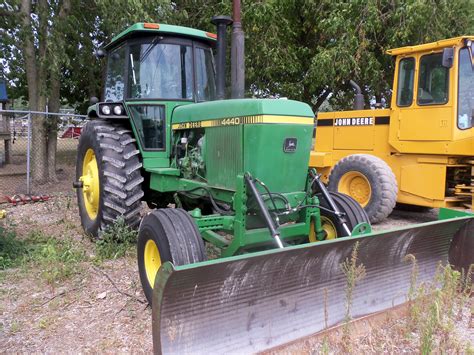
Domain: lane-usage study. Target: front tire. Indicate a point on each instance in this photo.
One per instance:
(369, 181)
(109, 169)
(166, 235)
(355, 215)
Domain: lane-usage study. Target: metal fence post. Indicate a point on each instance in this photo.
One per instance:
(28, 156)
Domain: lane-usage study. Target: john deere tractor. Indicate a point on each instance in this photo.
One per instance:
(232, 173)
(161, 136)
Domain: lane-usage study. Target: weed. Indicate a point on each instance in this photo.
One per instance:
(116, 240)
(15, 327)
(434, 306)
(12, 249)
(44, 323)
(325, 346)
(353, 272)
(57, 259)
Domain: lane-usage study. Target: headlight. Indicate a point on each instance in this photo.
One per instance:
(118, 110)
(105, 110)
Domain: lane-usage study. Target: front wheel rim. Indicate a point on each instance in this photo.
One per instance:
(328, 227)
(152, 261)
(357, 186)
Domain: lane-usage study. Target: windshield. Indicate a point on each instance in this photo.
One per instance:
(167, 71)
(162, 71)
(465, 90)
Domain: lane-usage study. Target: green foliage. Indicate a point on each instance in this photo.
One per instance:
(435, 307)
(12, 249)
(301, 49)
(354, 272)
(306, 49)
(116, 240)
(57, 259)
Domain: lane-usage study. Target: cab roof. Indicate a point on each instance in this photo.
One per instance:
(450, 42)
(155, 28)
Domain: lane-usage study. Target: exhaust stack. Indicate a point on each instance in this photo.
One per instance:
(358, 98)
(221, 23)
(237, 54)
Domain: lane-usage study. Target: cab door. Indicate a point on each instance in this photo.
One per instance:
(429, 114)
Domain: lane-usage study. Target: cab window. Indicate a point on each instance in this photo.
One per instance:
(205, 75)
(149, 121)
(465, 90)
(433, 83)
(114, 81)
(406, 75)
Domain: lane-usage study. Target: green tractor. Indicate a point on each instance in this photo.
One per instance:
(161, 136)
(232, 173)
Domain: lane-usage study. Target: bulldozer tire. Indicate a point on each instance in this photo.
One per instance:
(109, 167)
(166, 234)
(369, 181)
(355, 214)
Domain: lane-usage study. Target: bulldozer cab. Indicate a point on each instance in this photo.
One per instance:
(433, 97)
(426, 132)
(151, 69)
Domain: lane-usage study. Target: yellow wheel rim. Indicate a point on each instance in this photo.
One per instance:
(357, 186)
(328, 227)
(91, 185)
(152, 261)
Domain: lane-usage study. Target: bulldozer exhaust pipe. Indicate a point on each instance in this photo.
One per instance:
(359, 97)
(221, 23)
(237, 54)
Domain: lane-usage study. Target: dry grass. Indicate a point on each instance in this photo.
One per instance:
(60, 302)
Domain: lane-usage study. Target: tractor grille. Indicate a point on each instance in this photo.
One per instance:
(224, 158)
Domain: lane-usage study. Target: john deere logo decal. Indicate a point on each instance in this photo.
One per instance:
(289, 146)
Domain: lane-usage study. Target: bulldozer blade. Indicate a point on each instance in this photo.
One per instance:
(250, 303)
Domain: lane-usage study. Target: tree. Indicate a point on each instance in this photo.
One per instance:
(301, 49)
(49, 45)
(308, 50)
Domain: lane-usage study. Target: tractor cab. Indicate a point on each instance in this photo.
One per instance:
(434, 88)
(151, 69)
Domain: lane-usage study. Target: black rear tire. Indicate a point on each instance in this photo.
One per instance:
(177, 239)
(120, 179)
(355, 214)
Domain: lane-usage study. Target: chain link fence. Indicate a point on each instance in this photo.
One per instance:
(17, 148)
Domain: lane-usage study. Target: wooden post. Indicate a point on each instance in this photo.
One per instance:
(5, 134)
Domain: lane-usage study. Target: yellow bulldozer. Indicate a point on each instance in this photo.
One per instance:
(418, 152)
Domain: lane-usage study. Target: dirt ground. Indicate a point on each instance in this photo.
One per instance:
(99, 307)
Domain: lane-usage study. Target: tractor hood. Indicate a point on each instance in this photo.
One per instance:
(213, 110)
(271, 139)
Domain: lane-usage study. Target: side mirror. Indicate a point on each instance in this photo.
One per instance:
(448, 57)
(100, 53)
(471, 52)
